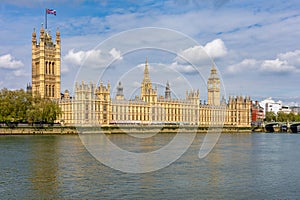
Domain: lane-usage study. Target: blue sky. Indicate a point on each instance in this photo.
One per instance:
(255, 44)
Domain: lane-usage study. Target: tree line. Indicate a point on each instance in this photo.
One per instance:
(18, 106)
(282, 117)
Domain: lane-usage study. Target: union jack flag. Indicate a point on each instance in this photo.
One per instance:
(51, 11)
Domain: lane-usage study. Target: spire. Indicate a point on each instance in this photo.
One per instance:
(57, 36)
(213, 72)
(42, 30)
(146, 73)
(34, 33)
(34, 37)
(168, 91)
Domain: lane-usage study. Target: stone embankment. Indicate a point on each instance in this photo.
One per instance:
(115, 130)
(38, 131)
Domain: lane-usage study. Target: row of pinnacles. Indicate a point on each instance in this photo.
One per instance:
(93, 105)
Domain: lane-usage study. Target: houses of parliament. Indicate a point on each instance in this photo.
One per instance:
(94, 105)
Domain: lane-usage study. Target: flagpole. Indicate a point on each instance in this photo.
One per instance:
(46, 18)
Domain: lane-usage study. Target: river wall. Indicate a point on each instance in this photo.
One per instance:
(38, 131)
(115, 130)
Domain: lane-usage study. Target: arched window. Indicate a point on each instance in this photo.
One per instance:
(52, 67)
(49, 70)
(46, 67)
(46, 91)
(52, 90)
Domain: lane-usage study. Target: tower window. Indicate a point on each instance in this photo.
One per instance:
(52, 67)
(46, 67)
(52, 90)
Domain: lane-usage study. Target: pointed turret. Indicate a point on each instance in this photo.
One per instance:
(147, 93)
(146, 73)
(33, 37)
(168, 91)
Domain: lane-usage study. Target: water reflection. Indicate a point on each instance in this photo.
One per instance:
(256, 166)
(108, 153)
(44, 167)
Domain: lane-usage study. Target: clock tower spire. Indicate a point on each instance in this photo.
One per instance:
(213, 88)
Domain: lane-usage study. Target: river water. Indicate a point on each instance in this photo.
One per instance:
(241, 166)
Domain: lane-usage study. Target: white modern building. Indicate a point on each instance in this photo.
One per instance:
(270, 105)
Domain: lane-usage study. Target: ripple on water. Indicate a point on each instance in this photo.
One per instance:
(241, 166)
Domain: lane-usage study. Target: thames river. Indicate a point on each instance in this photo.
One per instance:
(241, 166)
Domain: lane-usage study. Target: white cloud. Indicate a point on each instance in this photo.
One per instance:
(74, 58)
(199, 54)
(90, 59)
(216, 48)
(292, 57)
(8, 62)
(188, 69)
(283, 63)
(168, 69)
(251, 36)
(193, 55)
(276, 66)
(244, 65)
(115, 54)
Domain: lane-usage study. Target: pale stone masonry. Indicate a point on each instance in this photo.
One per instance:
(46, 65)
(94, 105)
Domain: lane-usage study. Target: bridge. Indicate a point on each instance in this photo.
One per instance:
(293, 127)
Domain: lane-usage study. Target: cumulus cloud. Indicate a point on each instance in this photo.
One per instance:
(74, 58)
(187, 69)
(199, 54)
(194, 55)
(9, 62)
(292, 57)
(288, 62)
(276, 66)
(91, 59)
(244, 65)
(216, 48)
(115, 54)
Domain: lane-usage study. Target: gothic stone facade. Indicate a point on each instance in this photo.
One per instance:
(46, 65)
(94, 106)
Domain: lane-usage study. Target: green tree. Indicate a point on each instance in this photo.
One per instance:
(282, 117)
(270, 116)
(43, 110)
(20, 106)
(291, 117)
(297, 117)
(14, 105)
